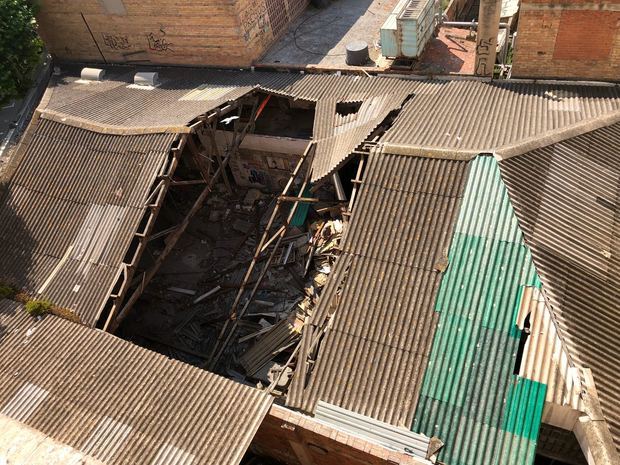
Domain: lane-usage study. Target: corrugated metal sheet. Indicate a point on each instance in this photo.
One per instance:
(470, 397)
(118, 402)
(567, 199)
(71, 210)
(468, 116)
(400, 439)
(380, 325)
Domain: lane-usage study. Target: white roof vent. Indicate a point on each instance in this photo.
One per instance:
(92, 74)
(146, 79)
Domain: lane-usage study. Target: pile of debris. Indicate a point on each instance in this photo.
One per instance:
(189, 302)
(267, 361)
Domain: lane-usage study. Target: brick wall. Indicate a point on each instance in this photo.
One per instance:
(208, 33)
(296, 439)
(574, 40)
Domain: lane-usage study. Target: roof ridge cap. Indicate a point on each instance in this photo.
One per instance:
(558, 135)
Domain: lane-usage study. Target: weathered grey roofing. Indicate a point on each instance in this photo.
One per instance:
(481, 117)
(71, 210)
(116, 401)
(567, 198)
(381, 325)
(443, 116)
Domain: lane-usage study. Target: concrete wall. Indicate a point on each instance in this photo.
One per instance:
(185, 32)
(579, 39)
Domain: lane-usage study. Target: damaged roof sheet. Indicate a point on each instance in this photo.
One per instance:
(567, 198)
(71, 210)
(337, 135)
(470, 397)
(116, 401)
(380, 325)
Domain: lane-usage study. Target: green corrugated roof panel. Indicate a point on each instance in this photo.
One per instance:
(299, 218)
(470, 397)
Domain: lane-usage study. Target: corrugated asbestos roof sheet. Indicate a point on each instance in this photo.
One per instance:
(470, 397)
(465, 116)
(379, 326)
(118, 402)
(71, 210)
(567, 198)
(481, 117)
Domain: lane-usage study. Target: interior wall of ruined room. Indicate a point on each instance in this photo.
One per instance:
(210, 33)
(267, 157)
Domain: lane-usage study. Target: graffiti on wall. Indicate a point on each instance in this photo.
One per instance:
(483, 52)
(157, 41)
(116, 41)
(254, 21)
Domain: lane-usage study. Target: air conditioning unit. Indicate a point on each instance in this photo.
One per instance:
(408, 28)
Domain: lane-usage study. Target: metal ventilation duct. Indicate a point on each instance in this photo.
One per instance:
(92, 74)
(146, 79)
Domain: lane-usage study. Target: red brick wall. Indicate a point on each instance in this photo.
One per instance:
(573, 40)
(208, 33)
(296, 439)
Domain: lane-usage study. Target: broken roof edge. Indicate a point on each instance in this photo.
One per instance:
(554, 137)
(594, 430)
(89, 125)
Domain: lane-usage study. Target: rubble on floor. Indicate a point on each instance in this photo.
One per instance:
(184, 308)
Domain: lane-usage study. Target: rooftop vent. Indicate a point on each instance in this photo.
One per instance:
(146, 79)
(92, 74)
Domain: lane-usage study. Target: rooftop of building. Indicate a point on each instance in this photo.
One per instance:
(462, 177)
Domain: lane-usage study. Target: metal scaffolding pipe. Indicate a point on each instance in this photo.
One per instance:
(473, 24)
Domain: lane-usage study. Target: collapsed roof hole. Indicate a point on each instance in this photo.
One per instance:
(183, 309)
(348, 108)
(525, 333)
(283, 117)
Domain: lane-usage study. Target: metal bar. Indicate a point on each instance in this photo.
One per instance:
(234, 316)
(473, 24)
(289, 198)
(356, 182)
(218, 156)
(162, 233)
(188, 183)
(339, 189)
